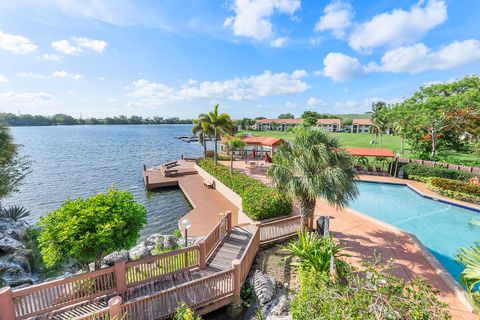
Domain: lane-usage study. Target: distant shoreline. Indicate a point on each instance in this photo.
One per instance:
(96, 124)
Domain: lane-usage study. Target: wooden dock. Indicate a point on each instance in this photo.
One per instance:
(155, 177)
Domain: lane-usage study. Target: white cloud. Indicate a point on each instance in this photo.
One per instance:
(278, 42)
(337, 18)
(149, 94)
(418, 58)
(252, 17)
(399, 27)
(16, 44)
(315, 102)
(77, 45)
(354, 106)
(54, 75)
(3, 79)
(341, 67)
(50, 57)
(291, 105)
(16, 99)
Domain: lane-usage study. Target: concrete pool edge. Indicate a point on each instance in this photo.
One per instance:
(440, 270)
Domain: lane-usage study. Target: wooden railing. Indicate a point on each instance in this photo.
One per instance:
(146, 269)
(249, 254)
(41, 298)
(277, 229)
(103, 314)
(195, 294)
(218, 233)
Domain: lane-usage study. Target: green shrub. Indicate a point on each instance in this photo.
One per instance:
(418, 170)
(370, 294)
(259, 201)
(459, 190)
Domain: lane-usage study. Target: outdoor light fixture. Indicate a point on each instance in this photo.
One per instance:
(186, 224)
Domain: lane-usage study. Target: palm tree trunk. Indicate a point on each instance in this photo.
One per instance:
(402, 144)
(204, 147)
(231, 162)
(215, 148)
(307, 208)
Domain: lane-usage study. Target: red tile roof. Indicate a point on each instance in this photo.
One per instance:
(259, 141)
(370, 152)
(280, 121)
(329, 121)
(365, 122)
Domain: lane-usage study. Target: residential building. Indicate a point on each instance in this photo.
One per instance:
(276, 124)
(332, 125)
(361, 125)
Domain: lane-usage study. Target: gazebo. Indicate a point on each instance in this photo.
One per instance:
(255, 147)
(370, 152)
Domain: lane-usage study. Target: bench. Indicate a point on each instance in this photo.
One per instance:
(171, 164)
(210, 184)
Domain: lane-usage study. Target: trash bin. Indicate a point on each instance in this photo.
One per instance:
(322, 225)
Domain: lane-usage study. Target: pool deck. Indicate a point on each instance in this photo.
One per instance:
(362, 235)
(208, 204)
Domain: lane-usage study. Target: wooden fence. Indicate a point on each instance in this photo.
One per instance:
(441, 164)
(278, 229)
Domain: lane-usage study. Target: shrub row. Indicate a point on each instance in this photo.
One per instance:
(455, 189)
(259, 201)
(415, 170)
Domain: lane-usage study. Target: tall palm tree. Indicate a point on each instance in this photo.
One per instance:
(470, 276)
(204, 132)
(219, 123)
(379, 121)
(314, 165)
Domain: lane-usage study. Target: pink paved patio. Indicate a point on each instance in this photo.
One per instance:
(362, 236)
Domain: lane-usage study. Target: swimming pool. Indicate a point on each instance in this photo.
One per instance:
(441, 227)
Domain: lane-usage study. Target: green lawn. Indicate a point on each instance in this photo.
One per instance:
(353, 140)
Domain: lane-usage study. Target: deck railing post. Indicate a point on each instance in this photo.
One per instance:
(236, 264)
(144, 167)
(229, 222)
(115, 307)
(202, 248)
(121, 276)
(6, 304)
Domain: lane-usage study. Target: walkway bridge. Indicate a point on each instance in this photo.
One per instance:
(206, 277)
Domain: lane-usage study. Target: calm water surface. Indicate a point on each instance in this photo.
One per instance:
(73, 161)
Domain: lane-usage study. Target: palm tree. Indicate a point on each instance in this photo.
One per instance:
(314, 165)
(379, 123)
(204, 132)
(470, 276)
(219, 124)
(234, 143)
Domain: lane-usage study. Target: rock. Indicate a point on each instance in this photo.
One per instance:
(22, 258)
(155, 240)
(113, 257)
(22, 282)
(8, 245)
(139, 251)
(169, 241)
(281, 307)
(13, 229)
(263, 286)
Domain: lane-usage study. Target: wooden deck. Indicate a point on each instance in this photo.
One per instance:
(208, 204)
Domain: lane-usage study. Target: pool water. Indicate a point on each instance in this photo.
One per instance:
(441, 227)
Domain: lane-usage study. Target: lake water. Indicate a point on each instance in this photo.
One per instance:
(73, 161)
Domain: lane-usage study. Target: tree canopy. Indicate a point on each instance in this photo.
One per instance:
(86, 230)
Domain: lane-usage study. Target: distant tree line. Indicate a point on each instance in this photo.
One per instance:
(63, 119)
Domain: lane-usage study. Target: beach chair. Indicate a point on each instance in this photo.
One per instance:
(210, 184)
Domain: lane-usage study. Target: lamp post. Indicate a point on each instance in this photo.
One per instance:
(186, 224)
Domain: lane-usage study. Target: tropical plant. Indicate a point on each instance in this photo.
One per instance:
(204, 131)
(86, 230)
(218, 123)
(379, 121)
(14, 212)
(185, 313)
(234, 144)
(13, 168)
(315, 252)
(470, 276)
(314, 165)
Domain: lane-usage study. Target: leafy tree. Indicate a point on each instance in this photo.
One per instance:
(311, 114)
(234, 144)
(86, 230)
(13, 168)
(219, 124)
(309, 122)
(286, 116)
(314, 165)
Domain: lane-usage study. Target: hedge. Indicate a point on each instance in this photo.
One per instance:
(455, 189)
(259, 201)
(415, 170)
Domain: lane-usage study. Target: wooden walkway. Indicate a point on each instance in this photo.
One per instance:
(208, 204)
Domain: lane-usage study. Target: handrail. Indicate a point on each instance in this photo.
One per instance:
(278, 229)
(214, 237)
(249, 254)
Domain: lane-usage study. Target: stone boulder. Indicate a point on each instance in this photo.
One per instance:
(139, 251)
(263, 286)
(16, 268)
(13, 229)
(155, 240)
(113, 257)
(8, 245)
(169, 241)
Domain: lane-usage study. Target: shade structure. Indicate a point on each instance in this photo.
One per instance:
(370, 152)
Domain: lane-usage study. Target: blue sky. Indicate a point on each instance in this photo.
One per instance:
(255, 58)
